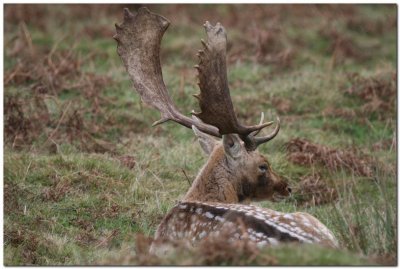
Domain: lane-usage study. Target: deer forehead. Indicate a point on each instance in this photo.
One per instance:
(255, 158)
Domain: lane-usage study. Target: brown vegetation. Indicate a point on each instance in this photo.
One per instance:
(372, 27)
(46, 75)
(30, 244)
(378, 93)
(128, 161)
(341, 47)
(283, 106)
(270, 48)
(12, 194)
(346, 113)
(303, 152)
(57, 191)
(313, 190)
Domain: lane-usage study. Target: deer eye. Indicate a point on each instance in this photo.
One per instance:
(263, 168)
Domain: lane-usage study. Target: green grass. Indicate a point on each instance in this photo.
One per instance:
(69, 200)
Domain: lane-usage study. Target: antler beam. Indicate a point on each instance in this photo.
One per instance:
(139, 39)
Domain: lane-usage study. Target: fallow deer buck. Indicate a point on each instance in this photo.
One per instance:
(235, 171)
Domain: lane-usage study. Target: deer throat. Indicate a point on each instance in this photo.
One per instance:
(213, 184)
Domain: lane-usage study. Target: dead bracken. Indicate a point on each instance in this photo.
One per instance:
(128, 161)
(341, 46)
(377, 92)
(45, 75)
(313, 190)
(56, 192)
(270, 49)
(303, 152)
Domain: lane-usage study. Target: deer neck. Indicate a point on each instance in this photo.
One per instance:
(215, 182)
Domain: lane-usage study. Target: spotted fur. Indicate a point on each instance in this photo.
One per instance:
(196, 220)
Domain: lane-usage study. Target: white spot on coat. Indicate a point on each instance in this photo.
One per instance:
(218, 218)
(202, 234)
(182, 206)
(273, 241)
(182, 215)
(209, 215)
(288, 216)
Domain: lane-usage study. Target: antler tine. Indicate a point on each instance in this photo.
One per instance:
(139, 40)
(261, 121)
(264, 139)
(214, 99)
(252, 142)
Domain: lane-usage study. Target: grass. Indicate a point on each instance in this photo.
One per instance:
(84, 171)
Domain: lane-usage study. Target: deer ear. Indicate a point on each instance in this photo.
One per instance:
(232, 145)
(207, 142)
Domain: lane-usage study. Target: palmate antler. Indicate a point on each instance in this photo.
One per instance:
(215, 100)
(139, 39)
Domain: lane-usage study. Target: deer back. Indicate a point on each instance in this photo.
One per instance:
(194, 221)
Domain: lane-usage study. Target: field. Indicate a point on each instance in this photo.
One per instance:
(87, 179)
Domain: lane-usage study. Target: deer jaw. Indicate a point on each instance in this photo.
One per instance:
(232, 174)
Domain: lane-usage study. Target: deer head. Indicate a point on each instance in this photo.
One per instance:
(234, 174)
(235, 171)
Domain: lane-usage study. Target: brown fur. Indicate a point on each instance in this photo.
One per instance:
(226, 181)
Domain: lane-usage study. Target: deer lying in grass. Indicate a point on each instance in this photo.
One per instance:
(235, 171)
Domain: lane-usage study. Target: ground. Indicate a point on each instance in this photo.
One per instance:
(87, 179)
